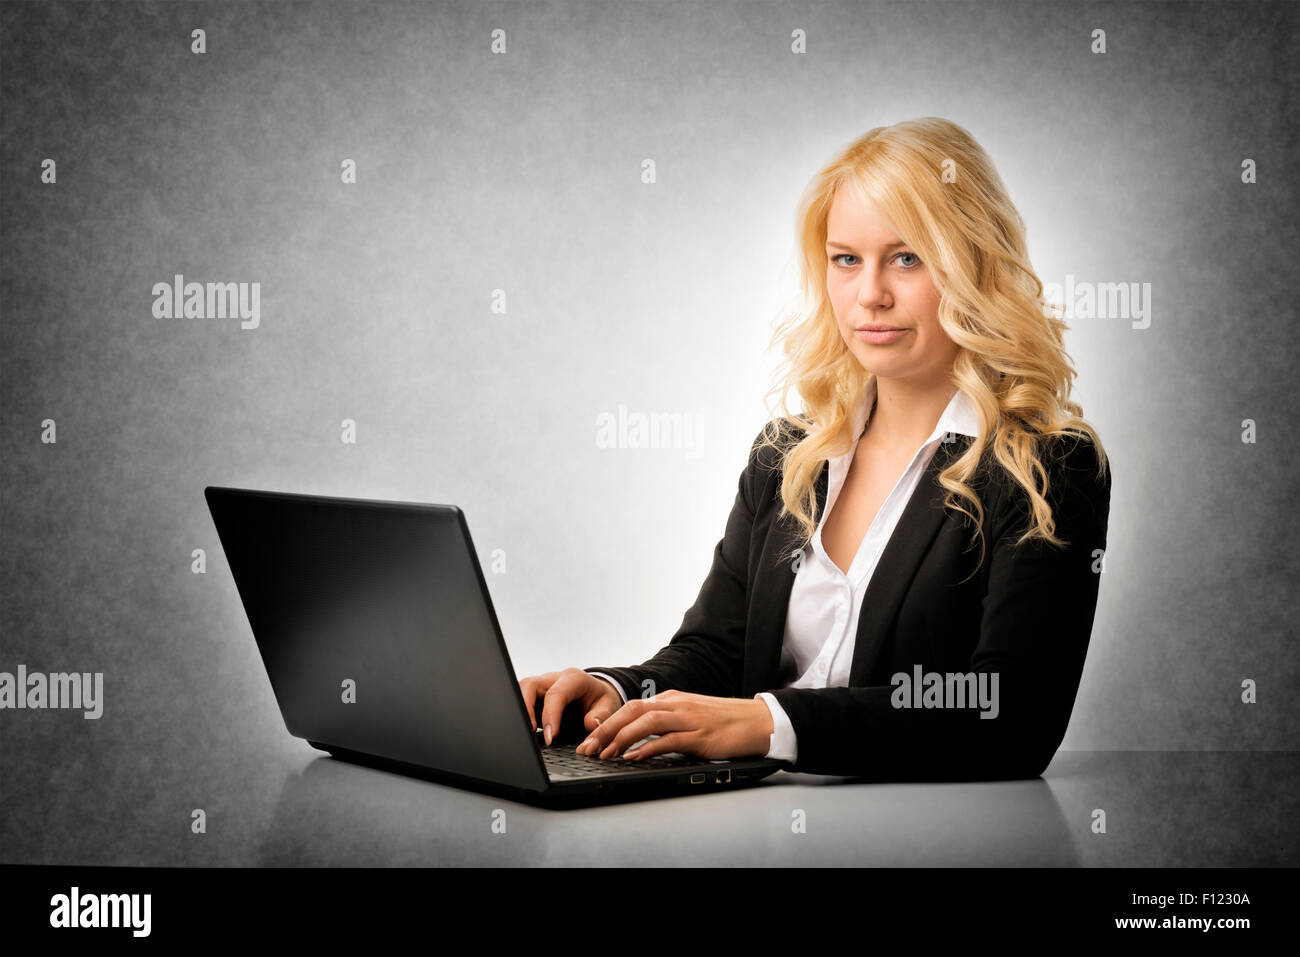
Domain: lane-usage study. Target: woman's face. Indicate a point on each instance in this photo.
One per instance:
(875, 280)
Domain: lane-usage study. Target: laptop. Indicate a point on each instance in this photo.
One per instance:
(382, 647)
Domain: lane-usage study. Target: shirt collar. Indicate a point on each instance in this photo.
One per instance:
(959, 416)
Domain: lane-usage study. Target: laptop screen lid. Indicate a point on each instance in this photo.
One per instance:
(375, 626)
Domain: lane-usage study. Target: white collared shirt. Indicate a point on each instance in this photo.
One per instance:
(825, 603)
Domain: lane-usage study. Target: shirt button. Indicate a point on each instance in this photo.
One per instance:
(821, 667)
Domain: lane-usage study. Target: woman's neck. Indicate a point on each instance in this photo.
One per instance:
(905, 413)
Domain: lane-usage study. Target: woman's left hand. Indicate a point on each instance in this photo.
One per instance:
(688, 723)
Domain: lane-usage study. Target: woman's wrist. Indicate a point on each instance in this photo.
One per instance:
(765, 724)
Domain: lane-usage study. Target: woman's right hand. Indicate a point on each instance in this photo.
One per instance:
(597, 698)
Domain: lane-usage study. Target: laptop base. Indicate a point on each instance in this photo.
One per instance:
(578, 794)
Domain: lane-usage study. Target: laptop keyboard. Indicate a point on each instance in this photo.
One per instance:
(564, 760)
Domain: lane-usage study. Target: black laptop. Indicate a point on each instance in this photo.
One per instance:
(378, 635)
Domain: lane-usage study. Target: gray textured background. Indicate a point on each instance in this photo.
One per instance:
(522, 172)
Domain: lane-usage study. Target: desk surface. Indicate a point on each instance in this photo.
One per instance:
(291, 805)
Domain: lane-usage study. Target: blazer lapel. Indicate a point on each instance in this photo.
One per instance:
(912, 537)
(770, 598)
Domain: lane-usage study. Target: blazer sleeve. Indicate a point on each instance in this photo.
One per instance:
(1035, 624)
(706, 654)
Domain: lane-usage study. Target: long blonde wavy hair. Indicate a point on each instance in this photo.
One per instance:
(943, 195)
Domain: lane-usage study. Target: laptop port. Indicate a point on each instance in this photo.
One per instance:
(697, 778)
(724, 776)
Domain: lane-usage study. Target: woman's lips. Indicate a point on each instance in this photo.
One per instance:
(881, 337)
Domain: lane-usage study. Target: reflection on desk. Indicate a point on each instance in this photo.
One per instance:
(334, 813)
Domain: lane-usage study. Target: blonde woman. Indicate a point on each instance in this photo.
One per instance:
(906, 586)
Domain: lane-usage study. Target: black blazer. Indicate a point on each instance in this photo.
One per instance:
(1026, 615)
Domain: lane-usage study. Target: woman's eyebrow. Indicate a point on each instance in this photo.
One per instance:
(831, 242)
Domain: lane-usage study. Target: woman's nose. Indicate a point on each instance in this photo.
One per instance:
(872, 293)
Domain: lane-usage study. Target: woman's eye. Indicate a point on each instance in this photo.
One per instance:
(843, 265)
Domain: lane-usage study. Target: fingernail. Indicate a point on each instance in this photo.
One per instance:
(629, 754)
(548, 734)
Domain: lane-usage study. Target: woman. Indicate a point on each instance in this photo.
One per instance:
(849, 624)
